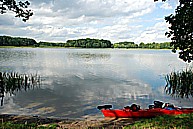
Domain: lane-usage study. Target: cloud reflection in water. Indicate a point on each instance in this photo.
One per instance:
(75, 81)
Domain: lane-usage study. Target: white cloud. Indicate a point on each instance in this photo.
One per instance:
(59, 20)
(166, 6)
(155, 33)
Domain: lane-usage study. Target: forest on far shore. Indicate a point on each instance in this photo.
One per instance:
(79, 43)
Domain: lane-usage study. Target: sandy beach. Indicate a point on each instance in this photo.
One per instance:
(68, 123)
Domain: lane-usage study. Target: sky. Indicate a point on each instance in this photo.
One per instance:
(115, 20)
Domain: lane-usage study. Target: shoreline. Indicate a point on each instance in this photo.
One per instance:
(68, 122)
(86, 48)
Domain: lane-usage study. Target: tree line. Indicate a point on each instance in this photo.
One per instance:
(80, 43)
(89, 43)
(165, 45)
(16, 41)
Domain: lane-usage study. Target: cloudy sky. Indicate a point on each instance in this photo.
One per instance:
(114, 20)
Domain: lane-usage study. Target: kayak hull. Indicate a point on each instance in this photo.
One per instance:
(145, 113)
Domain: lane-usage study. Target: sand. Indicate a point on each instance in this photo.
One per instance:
(69, 123)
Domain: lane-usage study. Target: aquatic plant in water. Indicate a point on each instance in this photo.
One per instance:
(12, 82)
(180, 83)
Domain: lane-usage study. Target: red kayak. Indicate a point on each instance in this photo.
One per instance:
(134, 111)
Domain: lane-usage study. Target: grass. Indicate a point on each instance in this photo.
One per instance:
(183, 121)
(7, 46)
(10, 125)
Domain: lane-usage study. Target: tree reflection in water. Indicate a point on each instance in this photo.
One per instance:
(12, 82)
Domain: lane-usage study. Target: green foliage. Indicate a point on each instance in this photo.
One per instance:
(10, 125)
(181, 30)
(49, 44)
(165, 45)
(16, 41)
(183, 121)
(153, 45)
(80, 43)
(89, 43)
(125, 45)
(180, 84)
(20, 8)
(52, 126)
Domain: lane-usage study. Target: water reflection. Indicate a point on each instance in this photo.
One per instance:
(87, 56)
(76, 97)
(75, 81)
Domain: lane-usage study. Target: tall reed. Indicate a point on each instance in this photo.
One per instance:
(12, 82)
(180, 83)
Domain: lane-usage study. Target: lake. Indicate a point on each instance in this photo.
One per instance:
(75, 81)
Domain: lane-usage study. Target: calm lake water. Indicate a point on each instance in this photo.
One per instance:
(75, 81)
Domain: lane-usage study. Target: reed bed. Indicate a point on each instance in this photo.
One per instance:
(180, 83)
(12, 82)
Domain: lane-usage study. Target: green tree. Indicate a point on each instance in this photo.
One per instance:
(125, 45)
(181, 29)
(180, 83)
(16, 41)
(89, 43)
(20, 9)
(141, 45)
